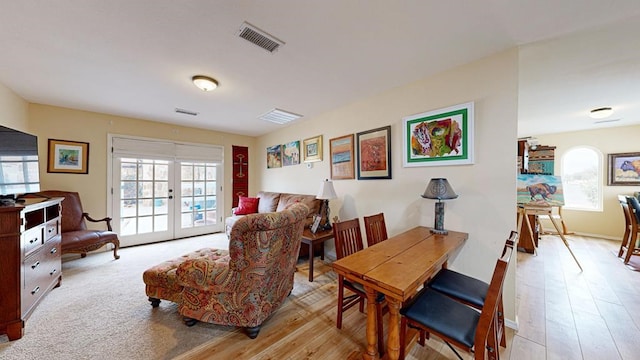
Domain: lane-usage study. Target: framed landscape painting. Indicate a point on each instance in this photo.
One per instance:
(439, 137)
(540, 190)
(70, 157)
(274, 156)
(341, 152)
(291, 153)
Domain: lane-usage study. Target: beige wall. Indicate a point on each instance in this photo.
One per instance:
(608, 223)
(13, 110)
(49, 122)
(485, 207)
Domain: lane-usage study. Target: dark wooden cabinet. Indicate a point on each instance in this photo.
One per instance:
(30, 259)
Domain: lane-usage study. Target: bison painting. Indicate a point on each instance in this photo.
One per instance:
(543, 189)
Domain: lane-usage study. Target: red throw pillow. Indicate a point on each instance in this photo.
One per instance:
(247, 205)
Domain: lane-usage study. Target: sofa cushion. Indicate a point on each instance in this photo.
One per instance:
(247, 205)
(310, 200)
(268, 201)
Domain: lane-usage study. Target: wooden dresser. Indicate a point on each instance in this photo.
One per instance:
(30, 259)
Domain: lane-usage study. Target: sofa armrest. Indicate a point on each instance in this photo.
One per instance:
(106, 219)
(208, 274)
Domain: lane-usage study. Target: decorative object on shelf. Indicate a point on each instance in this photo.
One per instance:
(341, 153)
(66, 156)
(240, 156)
(374, 154)
(540, 190)
(624, 169)
(291, 153)
(274, 156)
(312, 149)
(439, 188)
(326, 193)
(204, 83)
(439, 137)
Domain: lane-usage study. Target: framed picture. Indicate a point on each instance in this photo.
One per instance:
(316, 223)
(274, 156)
(374, 153)
(70, 157)
(439, 137)
(624, 169)
(291, 153)
(341, 152)
(312, 149)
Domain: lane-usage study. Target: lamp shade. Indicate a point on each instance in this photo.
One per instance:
(439, 188)
(327, 192)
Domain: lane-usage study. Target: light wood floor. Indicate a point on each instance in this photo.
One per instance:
(563, 313)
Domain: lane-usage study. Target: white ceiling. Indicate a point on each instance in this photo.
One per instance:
(135, 58)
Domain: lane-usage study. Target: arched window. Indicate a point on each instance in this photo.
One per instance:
(582, 178)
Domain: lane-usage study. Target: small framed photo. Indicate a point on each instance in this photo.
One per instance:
(312, 149)
(374, 153)
(71, 157)
(624, 169)
(341, 153)
(439, 137)
(316, 223)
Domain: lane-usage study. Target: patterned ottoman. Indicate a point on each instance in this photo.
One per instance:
(161, 280)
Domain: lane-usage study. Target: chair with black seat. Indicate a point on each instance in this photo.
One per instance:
(375, 229)
(469, 290)
(628, 247)
(348, 240)
(456, 323)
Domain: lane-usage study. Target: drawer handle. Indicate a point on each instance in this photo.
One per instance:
(54, 250)
(33, 240)
(35, 265)
(34, 291)
(50, 230)
(52, 272)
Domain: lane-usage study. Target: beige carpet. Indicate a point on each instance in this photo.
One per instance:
(101, 311)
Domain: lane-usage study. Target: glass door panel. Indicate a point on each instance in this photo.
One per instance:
(198, 198)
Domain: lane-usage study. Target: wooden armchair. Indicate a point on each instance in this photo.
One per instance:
(76, 238)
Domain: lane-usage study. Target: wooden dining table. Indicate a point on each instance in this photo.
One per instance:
(397, 267)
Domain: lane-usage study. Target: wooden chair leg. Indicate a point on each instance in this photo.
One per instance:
(380, 329)
(340, 301)
(631, 245)
(625, 240)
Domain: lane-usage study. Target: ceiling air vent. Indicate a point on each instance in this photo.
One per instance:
(279, 116)
(258, 37)
(186, 112)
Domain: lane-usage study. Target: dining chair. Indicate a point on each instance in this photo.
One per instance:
(629, 247)
(348, 240)
(375, 229)
(468, 290)
(479, 333)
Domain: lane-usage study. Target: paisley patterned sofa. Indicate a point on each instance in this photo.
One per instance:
(241, 287)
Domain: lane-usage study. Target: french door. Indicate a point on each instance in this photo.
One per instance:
(157, 198)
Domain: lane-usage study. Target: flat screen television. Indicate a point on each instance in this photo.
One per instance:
(19, 171)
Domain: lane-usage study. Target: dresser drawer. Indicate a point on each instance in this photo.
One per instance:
(41, 271)
(51, 229)
(31, 240)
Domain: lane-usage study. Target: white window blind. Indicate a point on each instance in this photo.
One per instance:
(161, 149)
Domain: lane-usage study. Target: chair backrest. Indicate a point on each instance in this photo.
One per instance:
(347, 237)
(511, 242)
(634, 210)
(487, 330)
(624, 204)
(375, 229)
(72, 219)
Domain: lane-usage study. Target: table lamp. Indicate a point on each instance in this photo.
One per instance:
(326, 193)
(439, 188)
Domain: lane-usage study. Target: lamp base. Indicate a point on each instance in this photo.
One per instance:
(439, 232)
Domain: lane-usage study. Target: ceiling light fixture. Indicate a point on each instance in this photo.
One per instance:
(601, 113)
(204, 83)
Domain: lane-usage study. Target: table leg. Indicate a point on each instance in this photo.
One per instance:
(310, 261)
(372, 336)
(393, 343)
(322, 253)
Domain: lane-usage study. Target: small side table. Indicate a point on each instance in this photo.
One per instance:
(310, 239)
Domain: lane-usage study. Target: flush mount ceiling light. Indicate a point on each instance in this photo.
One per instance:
(204, 83)
(601, 113)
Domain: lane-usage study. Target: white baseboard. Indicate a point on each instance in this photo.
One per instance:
(511, 324)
